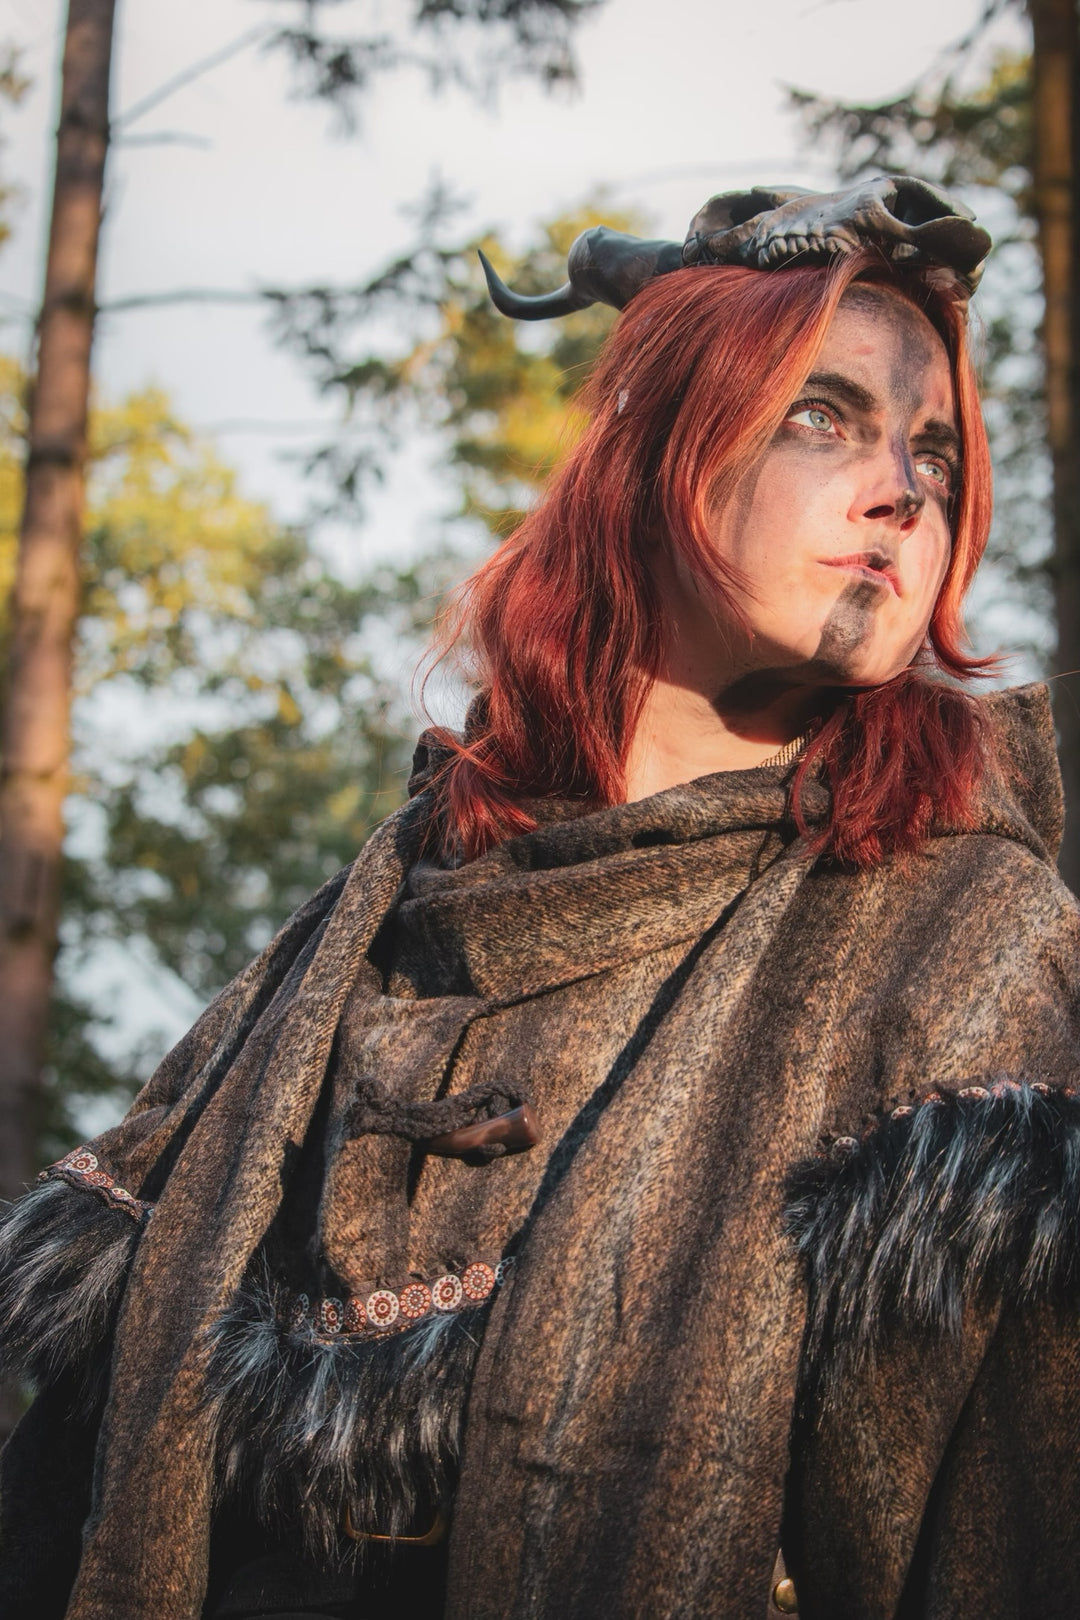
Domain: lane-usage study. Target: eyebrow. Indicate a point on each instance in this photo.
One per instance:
(836, 383)
(942, 435)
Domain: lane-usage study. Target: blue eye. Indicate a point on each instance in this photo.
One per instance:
(812, 416)
(934, 469)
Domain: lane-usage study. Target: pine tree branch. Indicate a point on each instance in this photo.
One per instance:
(189, 74)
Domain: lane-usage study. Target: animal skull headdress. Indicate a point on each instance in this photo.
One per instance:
(908, 221)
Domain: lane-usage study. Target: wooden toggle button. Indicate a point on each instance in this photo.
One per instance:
(517, 1131)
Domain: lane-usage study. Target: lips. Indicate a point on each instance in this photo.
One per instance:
(875, 566)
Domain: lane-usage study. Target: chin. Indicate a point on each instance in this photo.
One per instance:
(868, 671)
(878, 677)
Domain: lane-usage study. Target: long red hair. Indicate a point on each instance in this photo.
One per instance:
(562, 623)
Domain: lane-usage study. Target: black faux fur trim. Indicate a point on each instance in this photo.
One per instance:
(963, 1196)
(64, 1260)
(308, 1428)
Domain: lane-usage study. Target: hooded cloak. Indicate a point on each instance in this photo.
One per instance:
(794, 1259)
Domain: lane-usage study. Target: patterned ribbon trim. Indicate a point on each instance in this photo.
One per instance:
(82, 1169)
(383, 1312)
(391, 1311)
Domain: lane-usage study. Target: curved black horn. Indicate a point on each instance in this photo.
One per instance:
(605, 267)
(766, 228)
(521, 308)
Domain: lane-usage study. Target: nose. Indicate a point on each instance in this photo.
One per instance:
(890, 492)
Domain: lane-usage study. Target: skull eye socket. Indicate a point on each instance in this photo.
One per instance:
(914, 203)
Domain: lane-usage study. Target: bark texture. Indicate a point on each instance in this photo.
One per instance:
(45, 601)
(1056, 130)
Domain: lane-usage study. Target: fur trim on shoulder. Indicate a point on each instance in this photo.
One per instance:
(963, 1195)
(64, 1258)
(308, 1428)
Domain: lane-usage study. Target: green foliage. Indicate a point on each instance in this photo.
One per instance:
(79, 1082)
(954, 135)
(499, 396)
(13, 86)
(510, 408)
(169, 548)
(473, 43)
(219, 834)
(258, 743)
(12, 435)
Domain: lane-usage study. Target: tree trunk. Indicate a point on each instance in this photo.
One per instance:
(1056, 131)
(45, 597)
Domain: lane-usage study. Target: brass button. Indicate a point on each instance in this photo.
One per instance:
(784, 1597)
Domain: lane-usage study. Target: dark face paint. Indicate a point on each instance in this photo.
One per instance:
(849, 626)
(913, 356)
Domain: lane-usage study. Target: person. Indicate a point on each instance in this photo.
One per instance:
(661, 1146)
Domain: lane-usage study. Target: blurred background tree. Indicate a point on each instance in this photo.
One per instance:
(500, 398)
(237, 735)
(201, 618)
(13, 86)
(163, 578)
(477, 44)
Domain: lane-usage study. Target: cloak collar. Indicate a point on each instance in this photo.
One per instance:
(580, 895)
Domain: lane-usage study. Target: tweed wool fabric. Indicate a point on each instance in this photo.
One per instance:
(718, 1032)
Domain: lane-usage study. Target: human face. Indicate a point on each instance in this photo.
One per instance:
(841, 530)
